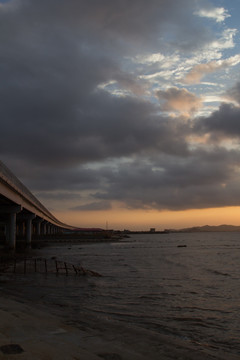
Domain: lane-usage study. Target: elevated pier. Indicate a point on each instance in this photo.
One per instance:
(21, 213)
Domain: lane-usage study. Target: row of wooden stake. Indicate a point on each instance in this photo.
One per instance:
(53, 266)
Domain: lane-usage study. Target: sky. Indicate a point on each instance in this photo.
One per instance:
(124, 112)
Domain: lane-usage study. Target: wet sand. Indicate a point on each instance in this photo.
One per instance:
(34, 333)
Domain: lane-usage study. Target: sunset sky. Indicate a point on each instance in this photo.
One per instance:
(124, 112)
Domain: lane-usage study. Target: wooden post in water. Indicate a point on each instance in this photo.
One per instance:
(66, 268)
(56, 266)
(74, 269)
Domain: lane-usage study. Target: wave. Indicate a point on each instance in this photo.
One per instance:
(217, 272)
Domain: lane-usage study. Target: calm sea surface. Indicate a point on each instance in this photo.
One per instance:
(191, 293)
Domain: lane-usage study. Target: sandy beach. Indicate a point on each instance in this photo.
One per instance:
(35, 330)
(30, 331)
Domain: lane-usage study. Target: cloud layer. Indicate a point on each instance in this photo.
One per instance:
(179, 100)
(199, 71)
(87, 103)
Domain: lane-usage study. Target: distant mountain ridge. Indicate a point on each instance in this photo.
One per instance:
(207, 228)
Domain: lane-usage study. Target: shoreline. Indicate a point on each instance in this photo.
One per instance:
(42, 335)
(47, 332)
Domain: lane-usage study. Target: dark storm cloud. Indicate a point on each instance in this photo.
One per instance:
(223, 123)
(234, 93)
(61, 196)
(204, 179)
(93, 206)
(42, 180)
(112, 128)
(55, 120)
(54, 54)
(116, 22)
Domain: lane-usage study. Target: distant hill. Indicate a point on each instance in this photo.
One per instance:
(207, 228)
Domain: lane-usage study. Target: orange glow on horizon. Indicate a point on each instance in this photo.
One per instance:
(120, 219)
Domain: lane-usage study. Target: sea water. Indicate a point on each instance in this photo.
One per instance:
(185, 285)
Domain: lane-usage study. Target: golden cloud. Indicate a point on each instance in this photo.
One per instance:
(179, 100)
(199, 71)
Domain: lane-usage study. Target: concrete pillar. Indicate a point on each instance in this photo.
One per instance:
(44, 228)
(48, 229)
(11, 241)
(21, 228)
(10, 212)
(29, 219)
(7, 233)
(38, 226)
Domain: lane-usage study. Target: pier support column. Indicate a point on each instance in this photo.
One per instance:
(29, 219)
(10, 212)
(38, 223)
(44, 227)
(21, 228)
(11, 241)
(48, 229)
